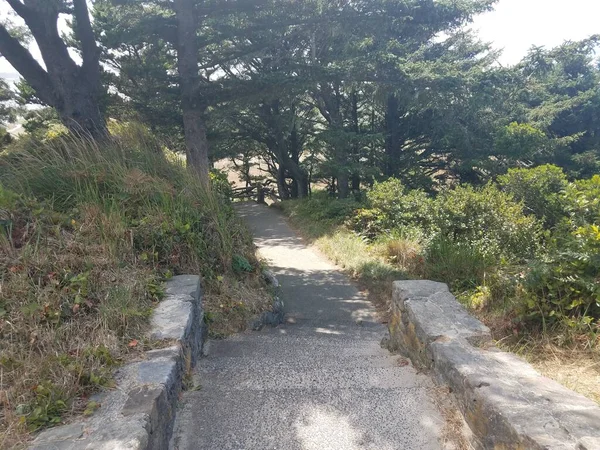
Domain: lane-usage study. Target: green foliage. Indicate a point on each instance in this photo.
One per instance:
(541, 189)
(520, 141)
(582, 199)
(459, 263)
(564, 285)
(46, 409)
(392, 207)
(241, 264)
(487, 219)
(325, 209)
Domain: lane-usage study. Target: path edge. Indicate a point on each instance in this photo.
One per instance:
(139, 413)
(276, 315)
(504, 400)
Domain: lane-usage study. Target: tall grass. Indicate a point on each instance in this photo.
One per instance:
(87, 232)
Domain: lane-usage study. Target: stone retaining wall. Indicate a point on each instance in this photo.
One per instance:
(505, 402)
(139, 414)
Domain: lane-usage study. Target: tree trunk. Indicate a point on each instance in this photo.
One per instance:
(356, 151)
(343, 188)
(392, 141)
(281, 183)
(189, 81)
(80, 112)
(355, 182)
(73, 90)
(196, 143)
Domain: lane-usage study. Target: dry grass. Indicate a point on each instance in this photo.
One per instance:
(556, 354)
(69, 307)
(576, 369)
(455, 433)
(230, 303)
(81, 268)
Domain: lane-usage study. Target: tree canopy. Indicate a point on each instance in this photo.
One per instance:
(341, 92)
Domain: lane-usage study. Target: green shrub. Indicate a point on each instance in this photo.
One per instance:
(582, 202)
(392, 207)
(461, 265)
(541, 191)
(565, 284)
(321, 210)
(487, 220)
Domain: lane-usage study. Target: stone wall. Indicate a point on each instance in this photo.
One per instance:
(505, 402)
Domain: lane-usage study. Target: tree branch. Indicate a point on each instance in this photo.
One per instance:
(19, 8)
(85, 33)
(20, 58)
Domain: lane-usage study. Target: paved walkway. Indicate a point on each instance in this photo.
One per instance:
(319, 382)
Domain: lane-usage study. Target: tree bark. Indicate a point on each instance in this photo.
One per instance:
(192, 106)
(393, 139)
(281, 183)
(343, 187)
(74, 91)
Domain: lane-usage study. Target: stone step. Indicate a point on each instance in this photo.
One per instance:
(301, 361)
(311, 419)
(320, 378)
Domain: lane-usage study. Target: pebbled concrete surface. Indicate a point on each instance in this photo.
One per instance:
(320, 381)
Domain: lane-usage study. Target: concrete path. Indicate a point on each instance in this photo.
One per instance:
(319, 382)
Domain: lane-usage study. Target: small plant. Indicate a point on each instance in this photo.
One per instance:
(241, 264)
(46, 409)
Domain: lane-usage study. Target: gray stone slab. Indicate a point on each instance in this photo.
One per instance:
(59, 438)
(171, 319)
(507, 403)
(435, 312)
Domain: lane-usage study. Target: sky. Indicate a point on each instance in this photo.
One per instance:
(514, 26)
(517, 25)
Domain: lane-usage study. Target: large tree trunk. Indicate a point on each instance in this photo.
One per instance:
(189, 81)
(297, 173)
(80, 112)
(73, 90)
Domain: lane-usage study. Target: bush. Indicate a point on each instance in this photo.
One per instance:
(565, 284)
(462, 265)
(582, 202)
(541, 191)
(487, 220)
(392, 207)
(320, 213)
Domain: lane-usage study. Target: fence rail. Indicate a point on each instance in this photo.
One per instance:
(258, 191)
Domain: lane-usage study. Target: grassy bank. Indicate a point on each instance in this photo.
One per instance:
(494, 286)
(88, 234)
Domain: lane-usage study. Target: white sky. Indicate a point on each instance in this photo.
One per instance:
(515, 25)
